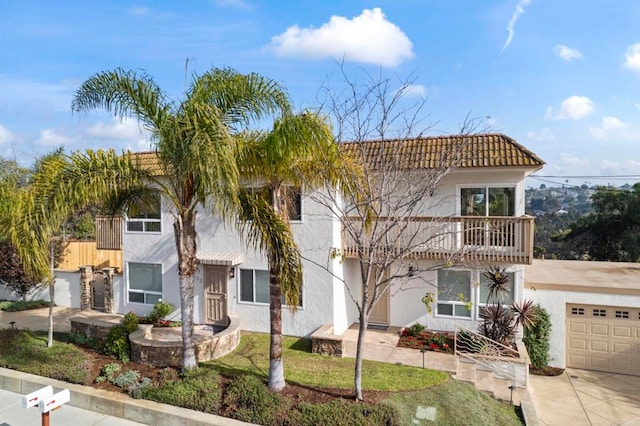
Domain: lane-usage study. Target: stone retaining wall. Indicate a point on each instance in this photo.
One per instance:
(162, 347)
(324, 342)
(94, 327)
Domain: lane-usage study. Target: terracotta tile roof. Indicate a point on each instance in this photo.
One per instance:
(148, 161)
(481, 150)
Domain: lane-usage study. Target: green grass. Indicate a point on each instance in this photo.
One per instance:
(456, 403)
(14, 306)
(304, 368)
(25, 351)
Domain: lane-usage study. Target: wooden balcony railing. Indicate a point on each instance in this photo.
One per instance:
(471, 238)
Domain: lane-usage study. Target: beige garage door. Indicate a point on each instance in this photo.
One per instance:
(603, 338)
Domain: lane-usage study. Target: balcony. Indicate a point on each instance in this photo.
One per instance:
(466, 238)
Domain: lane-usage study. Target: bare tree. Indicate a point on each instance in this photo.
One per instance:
(390, 212)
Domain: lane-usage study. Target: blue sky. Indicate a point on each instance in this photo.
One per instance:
(561, 77)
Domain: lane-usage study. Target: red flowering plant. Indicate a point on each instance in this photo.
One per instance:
(417, 337)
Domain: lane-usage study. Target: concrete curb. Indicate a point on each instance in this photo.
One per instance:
(113, 404)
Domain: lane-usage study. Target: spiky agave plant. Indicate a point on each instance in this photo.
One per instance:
(498, 323)
(498, 286)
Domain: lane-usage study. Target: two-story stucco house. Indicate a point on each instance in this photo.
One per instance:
(484, 194)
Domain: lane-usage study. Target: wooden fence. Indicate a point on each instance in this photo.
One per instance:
(80, 253)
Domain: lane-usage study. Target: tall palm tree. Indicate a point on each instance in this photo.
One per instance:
(195, 146)
(299, 152)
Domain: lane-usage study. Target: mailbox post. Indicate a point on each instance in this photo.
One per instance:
(46, 401)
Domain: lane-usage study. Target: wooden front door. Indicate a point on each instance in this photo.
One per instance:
(380, 313)
(215, 295)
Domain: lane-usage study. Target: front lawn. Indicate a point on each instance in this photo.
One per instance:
(307, 369)
(319, 390)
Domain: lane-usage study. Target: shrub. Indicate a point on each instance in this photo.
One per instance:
(21, 305)
(341, 413)
(160, 310)
(536, 338)
(414, 330)
(135, 390)
(117, 341)
(109, 370)
(197, 390)
(251, 401)
(126, 379)
(25, 351)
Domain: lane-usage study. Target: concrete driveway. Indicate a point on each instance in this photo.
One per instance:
(581, 397)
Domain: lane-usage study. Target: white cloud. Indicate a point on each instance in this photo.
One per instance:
(543, 135)
(5, 135)
(607, 129)
(415, 90)
(512, 22)
(632, 58)
(369, 38)
(50, 137)
(139, 10)
(626, 167)
(117, 129)
(574, 107)
(612, 123)
(570, 160)
(566, 53)
(240, 4)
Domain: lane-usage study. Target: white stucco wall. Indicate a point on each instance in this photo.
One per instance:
(555, 302)
(315, 235)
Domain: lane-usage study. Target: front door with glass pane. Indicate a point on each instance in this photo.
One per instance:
(215, 295)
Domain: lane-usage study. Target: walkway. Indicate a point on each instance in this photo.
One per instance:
(12, 414)
(581, 397)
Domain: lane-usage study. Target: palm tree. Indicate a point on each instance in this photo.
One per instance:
(299, 152)
(195, 147)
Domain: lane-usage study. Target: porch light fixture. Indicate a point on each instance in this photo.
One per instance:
(232, 272)
(411, 272)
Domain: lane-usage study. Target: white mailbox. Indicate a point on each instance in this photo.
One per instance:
(34, 398)
(54, 401)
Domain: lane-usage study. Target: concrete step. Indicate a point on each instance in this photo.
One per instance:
(484, 380)
(466, 372)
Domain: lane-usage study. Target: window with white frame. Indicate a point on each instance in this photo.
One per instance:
(454, 293)
(254, 286)
(505, 298)
(487, 201)
(291, 200)
(145, 283)
(145, 216)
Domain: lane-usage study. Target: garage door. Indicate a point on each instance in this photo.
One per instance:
(603, 338)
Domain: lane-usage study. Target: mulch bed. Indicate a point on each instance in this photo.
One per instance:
(547, 371)
(297, 392)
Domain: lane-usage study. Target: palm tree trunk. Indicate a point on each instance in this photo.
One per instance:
(276, 366)
(185, 233)
(357, 378)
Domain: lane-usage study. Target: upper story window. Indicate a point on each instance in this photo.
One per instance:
(291, 200)
(487, 201)
(292, 195)
(145, 216)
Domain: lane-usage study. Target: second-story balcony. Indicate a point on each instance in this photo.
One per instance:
(472, 239)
